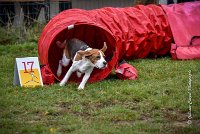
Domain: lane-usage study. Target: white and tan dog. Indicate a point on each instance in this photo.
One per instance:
(84, 59)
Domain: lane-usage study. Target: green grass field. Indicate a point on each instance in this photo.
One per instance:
(157, 102)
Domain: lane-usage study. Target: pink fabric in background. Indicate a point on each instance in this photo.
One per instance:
(184, 20)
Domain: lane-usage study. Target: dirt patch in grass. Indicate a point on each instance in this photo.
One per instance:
(65, 107)
(174, 115)
(124, 122)
(196, 122)
(177, 122)
(90, 109)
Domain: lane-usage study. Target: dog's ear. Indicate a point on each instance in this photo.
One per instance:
(61, 45)
(81, 54)
(104, 47)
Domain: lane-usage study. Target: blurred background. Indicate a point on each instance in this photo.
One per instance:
(24, 19)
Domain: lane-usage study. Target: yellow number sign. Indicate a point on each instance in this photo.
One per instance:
(27, 72)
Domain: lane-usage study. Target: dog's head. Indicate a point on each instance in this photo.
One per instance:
(95, 56)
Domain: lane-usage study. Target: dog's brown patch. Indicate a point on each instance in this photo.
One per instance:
(78, 56)
(66, 51)
(93, 55)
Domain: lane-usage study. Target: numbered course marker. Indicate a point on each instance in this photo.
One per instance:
(27, 72)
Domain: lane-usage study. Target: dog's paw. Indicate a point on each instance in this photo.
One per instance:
(59, 73)
(80, 87)
(62, 83)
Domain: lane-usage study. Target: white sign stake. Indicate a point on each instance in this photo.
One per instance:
(27, 72)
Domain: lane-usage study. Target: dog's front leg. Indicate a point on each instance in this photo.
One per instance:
(59, 71)
(85, 79)
(66, 78)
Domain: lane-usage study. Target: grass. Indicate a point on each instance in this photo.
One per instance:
(157, 102)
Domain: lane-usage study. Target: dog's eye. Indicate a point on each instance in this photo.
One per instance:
(98, 57)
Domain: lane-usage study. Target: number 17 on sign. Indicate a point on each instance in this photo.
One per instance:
(27, 72)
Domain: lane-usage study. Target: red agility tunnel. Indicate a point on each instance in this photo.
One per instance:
(130, 33)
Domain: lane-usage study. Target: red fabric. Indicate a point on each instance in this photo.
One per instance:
(126, 71)
(184, 20)
(47, 76)
(130, 33)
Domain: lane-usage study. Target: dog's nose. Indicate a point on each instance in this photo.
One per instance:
(105, 63)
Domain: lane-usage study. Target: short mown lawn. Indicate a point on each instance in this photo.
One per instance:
(159, 101)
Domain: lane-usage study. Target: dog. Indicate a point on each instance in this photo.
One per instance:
(84, 60)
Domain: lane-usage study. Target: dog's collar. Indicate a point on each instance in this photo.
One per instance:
(84, 47)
